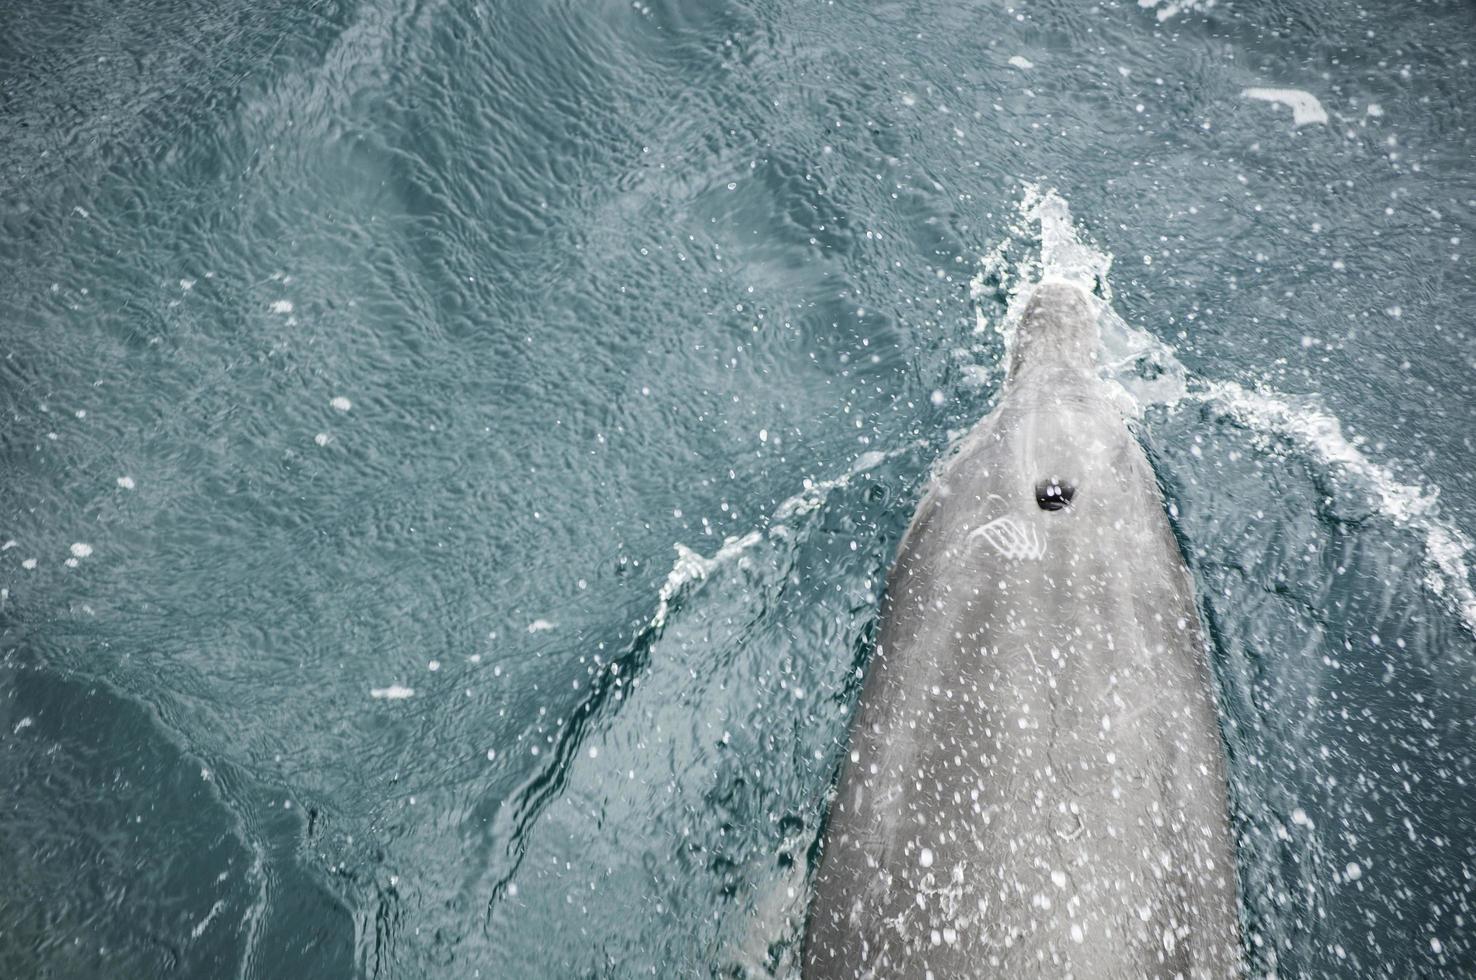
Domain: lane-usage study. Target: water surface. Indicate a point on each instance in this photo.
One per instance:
(382, 381)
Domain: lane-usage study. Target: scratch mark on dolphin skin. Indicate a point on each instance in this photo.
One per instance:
(1011, 539)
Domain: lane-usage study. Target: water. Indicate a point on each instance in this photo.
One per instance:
(393, 376)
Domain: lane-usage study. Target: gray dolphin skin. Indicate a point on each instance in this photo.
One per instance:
(1036, 779)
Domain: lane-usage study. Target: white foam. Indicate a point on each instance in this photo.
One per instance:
(9, 544)
(690, 566)
(322, 438)
(1173, 8)
(1021, 62)
(341, 403)
(81, 550)
(28, 564)
(1063, 255)
(126, 482)
(814, 494)
(204, 923)
(540, 626)
(23, 724)
(1144, 369)
(1306, 110)
(282, 306)
(1410, 505)
(394, 692)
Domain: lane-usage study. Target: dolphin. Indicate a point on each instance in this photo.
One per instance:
(1035, 785)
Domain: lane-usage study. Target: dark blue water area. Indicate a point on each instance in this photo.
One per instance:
(364, 366)
(126, 857)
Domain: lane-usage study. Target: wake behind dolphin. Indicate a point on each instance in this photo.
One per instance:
(1036, 780)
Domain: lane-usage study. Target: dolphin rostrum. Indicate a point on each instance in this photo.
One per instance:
(1035, 785)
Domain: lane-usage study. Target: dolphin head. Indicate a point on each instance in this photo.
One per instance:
(1056, 333)
(1058, 428)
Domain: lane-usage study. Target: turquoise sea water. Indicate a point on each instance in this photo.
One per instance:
(382, 381)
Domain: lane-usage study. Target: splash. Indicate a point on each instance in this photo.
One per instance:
(1173, 8)
(1414, 506)
(1044, 245)
(691, 568)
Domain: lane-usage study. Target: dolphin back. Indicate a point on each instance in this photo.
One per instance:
(1035, 782)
